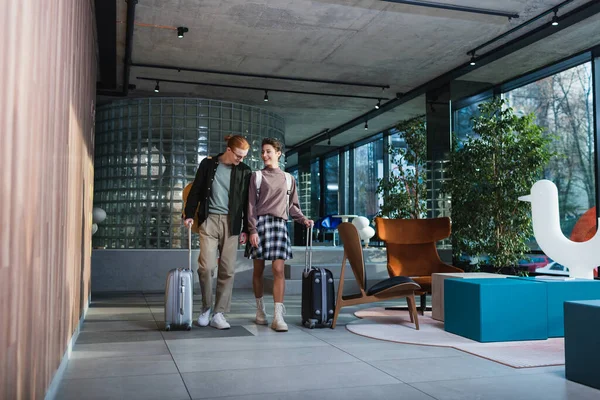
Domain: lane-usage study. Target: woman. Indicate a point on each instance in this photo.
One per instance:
(270, 204)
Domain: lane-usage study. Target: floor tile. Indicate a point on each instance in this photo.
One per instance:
(262, 358)
(203, 332)
(280, 341)
(444, 368)
(396, 351)
(118, 336)
(273, 380)
(391, 391)
(114, 326)
(130, 349)
(543, 386)
(120, 366)
(149, 387)
(139, 316)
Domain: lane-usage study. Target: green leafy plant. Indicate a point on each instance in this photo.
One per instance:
(488, 172)
(404, 191)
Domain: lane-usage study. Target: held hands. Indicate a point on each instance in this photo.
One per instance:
(188, 222)
(254, 239)
(243, 238)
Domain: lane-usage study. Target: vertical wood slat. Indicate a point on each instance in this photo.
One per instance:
(48, 65)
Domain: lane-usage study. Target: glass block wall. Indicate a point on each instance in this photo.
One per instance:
(148, 150)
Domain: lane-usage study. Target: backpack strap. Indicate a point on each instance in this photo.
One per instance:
(258, 181)
(288, 181)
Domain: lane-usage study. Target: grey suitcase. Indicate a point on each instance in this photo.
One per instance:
(179, 296)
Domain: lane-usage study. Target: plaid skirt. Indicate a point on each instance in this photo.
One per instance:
(273, 240)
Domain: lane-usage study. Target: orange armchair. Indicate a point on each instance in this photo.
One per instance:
(411, 249)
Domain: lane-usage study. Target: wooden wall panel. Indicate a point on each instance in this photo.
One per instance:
(48, 70)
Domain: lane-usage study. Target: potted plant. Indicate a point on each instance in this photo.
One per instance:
(404, 191)
(488, 172)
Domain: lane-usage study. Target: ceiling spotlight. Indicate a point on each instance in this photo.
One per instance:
(555, 19)
(378, 104)
(472, 59)
(366, 125)
(181, 30)
(157, 87)
(266, 98)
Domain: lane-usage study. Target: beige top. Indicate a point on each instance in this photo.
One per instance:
(273, 194)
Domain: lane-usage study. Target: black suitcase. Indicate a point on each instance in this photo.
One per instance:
(318, 293)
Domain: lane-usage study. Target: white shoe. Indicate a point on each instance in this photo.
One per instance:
(218, 321)
(204, 317)
(278, 323)
(261, 313)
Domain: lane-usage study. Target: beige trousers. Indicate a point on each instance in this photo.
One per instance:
(214, 236)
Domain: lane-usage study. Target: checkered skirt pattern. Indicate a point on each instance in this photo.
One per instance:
(273, 240)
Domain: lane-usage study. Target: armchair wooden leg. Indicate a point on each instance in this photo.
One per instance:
(423, 303)
(412, 310)
(336, 313)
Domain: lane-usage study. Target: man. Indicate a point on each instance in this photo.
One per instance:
(221, 189)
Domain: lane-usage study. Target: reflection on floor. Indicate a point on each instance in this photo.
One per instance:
(123, 353)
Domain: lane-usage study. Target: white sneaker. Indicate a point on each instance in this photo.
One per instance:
(218, 321)
(204, 317)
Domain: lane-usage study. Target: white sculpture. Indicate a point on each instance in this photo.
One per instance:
(98, 215)
(364, 230)
(580, 257)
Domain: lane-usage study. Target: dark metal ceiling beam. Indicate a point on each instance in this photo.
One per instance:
(571, 18)
(262, 76)
(521, 26)
(453, 7)
(261, 89)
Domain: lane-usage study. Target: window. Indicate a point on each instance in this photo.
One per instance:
(368, 169)
(331, 171)
(563, 105)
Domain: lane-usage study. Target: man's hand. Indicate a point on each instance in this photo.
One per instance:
(309, 223)
(254, 239)
(189, 222)
(243, 238)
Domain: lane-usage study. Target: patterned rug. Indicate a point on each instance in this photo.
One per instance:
(395, 326)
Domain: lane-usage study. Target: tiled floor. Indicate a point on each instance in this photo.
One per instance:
(123, 353)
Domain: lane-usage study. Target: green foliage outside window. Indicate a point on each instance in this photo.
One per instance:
(404, 191)
(500, 162)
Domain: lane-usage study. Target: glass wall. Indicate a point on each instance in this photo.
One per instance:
(148, 150)
(368, 169)
(332, 171)
(563, 105)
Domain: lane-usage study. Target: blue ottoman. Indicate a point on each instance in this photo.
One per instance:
(495, 310)
(560, 290)
(582, 342)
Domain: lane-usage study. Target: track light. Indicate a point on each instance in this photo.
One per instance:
(366, 125)
(555, 18)
(378, 104)
(266, 98)
(181, 30)
(157, 87)
(472, 59)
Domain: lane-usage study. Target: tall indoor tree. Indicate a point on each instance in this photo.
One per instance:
(504, 157)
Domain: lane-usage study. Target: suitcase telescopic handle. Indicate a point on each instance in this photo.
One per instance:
(190, 247)
(308, 252)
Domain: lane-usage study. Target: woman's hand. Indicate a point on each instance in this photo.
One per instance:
(188, 222)
(309, 223)
(254, 239)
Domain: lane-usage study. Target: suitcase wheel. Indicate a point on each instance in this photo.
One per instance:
(188, 328)
(310, 324)
(167, 328)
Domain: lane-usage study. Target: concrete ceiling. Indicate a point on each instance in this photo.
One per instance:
(368, 41)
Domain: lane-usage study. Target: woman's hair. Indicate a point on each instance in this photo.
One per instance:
(237, 142)
(273, 142)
